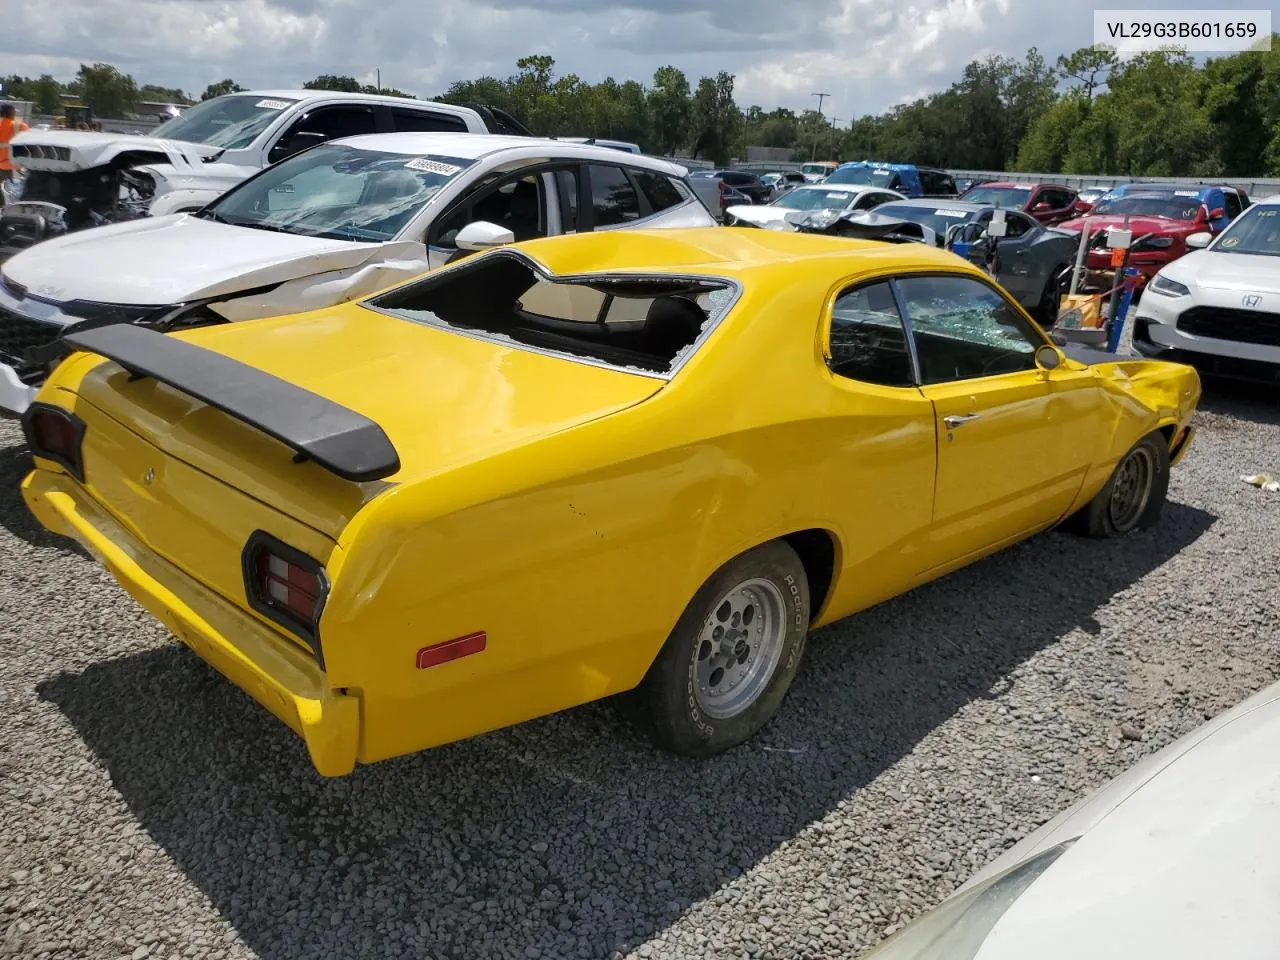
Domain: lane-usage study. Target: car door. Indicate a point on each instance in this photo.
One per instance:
(877, 446)
(1019, 269)
(1000, 474)
(1214, 201)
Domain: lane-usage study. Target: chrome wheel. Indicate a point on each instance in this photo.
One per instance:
(738, 648)
(1131, 491)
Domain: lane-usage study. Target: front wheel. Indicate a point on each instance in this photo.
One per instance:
(1134, 496)
(727, 665)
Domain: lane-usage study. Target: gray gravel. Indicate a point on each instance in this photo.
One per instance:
(151, 810)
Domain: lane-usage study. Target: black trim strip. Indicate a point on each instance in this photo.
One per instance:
(339, 439)
(75, 466)
(259, 541)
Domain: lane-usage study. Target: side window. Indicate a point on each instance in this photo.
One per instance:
(867, 339)
(964, 329)
(658, 190)
(1015, 225)
(1233, 206)
(337, 122)
(613, 198)
(426, 121)
(519, 205)
(567, 187)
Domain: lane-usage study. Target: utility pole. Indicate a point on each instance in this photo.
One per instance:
(821, 96)
(379, 72)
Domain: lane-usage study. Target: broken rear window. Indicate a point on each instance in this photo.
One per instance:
(647, 324)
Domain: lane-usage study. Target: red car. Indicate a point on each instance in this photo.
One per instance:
(1049, 203)
(1161, 217)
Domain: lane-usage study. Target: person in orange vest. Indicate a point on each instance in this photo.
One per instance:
(10, 125)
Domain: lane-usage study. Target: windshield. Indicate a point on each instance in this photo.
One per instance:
(1167, 205)
(338, 191)
(864, 176)
(228, 122)
(1015, 197)
(937, 219)
(818, 168)
(816, 199)
(1256, 231)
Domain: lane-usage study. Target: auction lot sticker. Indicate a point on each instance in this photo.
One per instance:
(1196, 31)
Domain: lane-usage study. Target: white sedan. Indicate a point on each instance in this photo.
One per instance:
(1218, 307)
(811, 200)
(1177, 858)
(334, 223)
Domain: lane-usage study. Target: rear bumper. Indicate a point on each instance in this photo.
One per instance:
(275, 672)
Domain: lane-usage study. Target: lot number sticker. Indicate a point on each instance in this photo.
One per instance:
(431, 166)
(271, 104)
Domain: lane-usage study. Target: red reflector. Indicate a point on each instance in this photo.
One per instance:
(452, 650)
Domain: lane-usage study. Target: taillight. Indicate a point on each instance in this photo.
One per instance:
(286, 586)
(55, 434)
(724, 200)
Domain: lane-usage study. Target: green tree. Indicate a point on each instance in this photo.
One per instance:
(162, 94)
(1090, 67)
(46, 95)
(1046, 144)
(669, 109)
(714, 118)
(105, 90)
(329, 81)
(221, 89)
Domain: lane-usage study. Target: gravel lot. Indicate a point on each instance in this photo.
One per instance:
(150, 809)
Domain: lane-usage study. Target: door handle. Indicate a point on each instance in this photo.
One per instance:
(959, 420)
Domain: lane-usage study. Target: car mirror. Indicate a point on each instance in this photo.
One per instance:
(481, 235)
(1217, 213)
(1048, 357)
(1200, 240)
(1041, 208)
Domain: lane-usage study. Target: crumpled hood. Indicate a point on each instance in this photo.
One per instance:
(164, 260)
(1243, 272)
(759, 215)
(1187, 866)
(69, 150)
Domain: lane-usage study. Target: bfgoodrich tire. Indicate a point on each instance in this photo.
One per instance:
(726, 667)
(1134, 496)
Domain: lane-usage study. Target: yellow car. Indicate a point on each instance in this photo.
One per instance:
(566, 469)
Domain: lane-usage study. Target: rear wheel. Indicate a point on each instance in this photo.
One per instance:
(1134, 496)
(727, 665)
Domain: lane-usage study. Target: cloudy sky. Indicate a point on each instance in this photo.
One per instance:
(868, 54)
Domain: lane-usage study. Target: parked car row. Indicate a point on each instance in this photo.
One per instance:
(480, 453)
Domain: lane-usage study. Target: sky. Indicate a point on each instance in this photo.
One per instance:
(867, 54)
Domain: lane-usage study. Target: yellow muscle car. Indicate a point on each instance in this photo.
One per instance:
(582, 465)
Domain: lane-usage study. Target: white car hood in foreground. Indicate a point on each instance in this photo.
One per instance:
(169, 260)
(1243, 272)
(1177, 859)
(87, 149)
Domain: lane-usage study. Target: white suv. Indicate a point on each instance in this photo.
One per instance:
(334, 223)
(77, 179)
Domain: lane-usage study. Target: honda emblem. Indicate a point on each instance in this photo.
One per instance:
(1252, 300)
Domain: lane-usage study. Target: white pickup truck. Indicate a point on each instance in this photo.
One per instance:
(77, 179)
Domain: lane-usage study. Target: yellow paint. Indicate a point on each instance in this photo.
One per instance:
(567, 510)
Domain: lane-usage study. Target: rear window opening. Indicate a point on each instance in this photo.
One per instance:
(648, 324)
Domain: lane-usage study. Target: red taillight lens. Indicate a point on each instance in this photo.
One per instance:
(289, 586)
(55, 434)
(286, 586)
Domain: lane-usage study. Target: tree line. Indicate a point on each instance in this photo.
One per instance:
(1089, 112)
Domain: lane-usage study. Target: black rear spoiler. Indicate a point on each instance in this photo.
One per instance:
(342, 441)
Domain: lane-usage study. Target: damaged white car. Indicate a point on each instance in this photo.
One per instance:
(76, 179)
(335, 223)
(810, 202)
